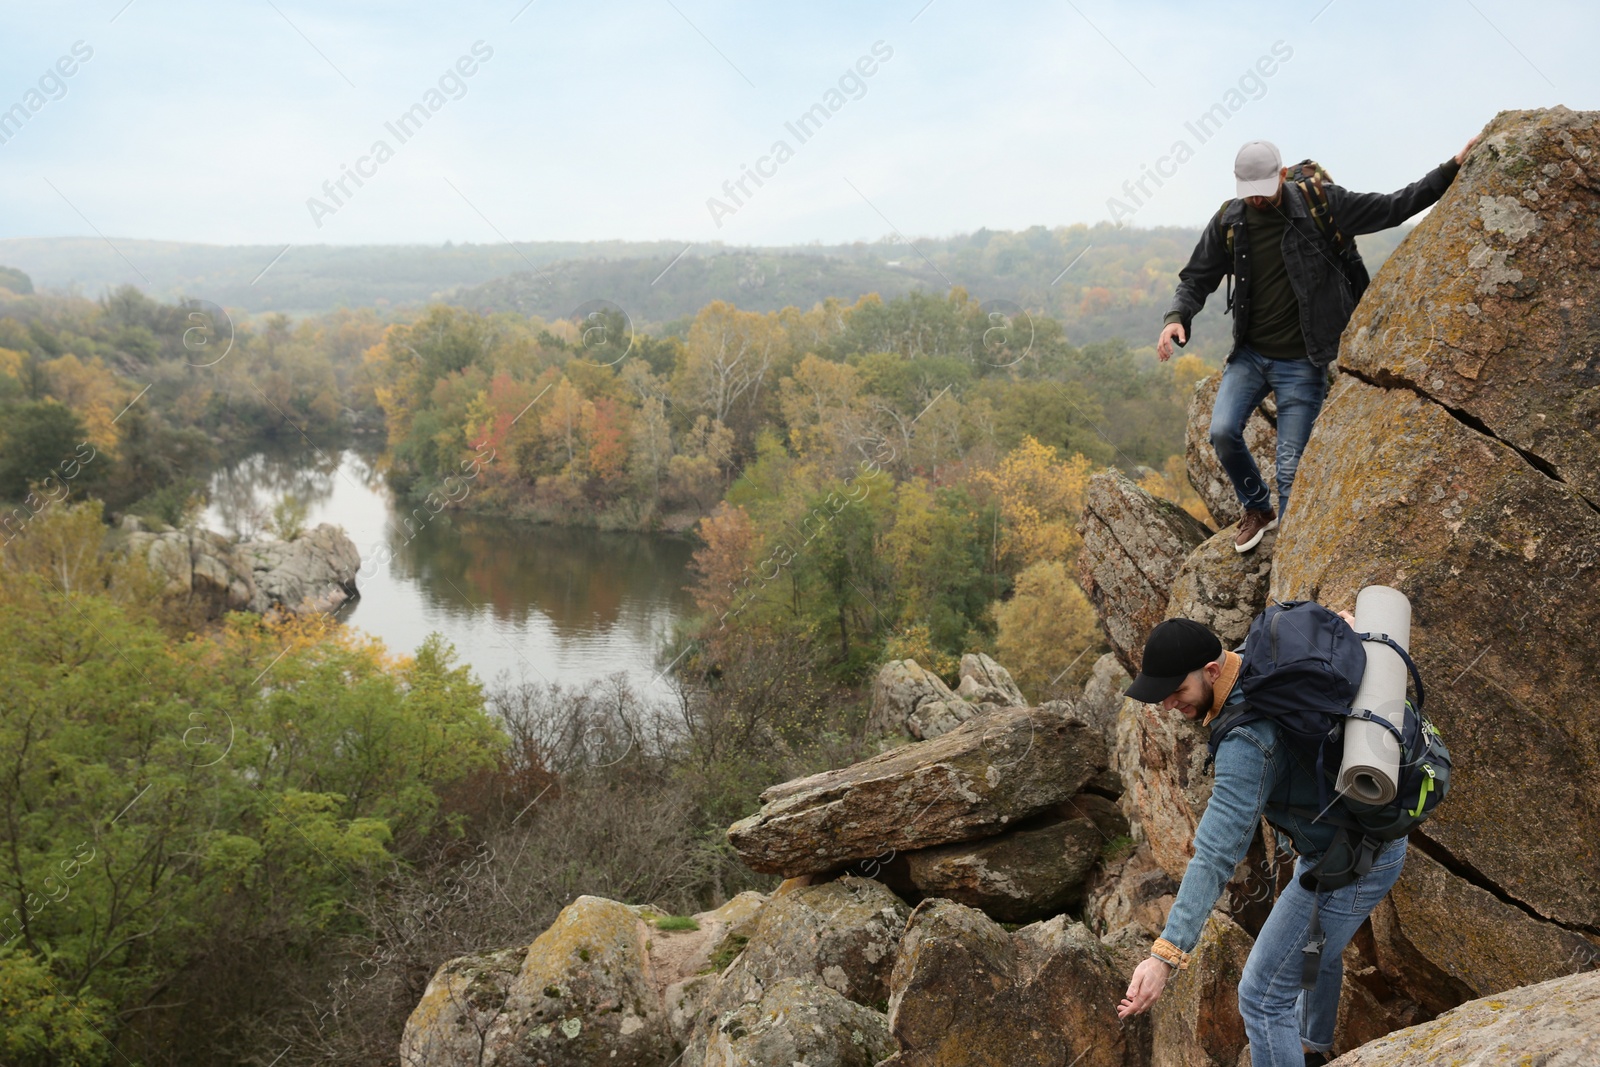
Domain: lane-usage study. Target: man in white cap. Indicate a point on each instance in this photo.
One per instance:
(1291, 300)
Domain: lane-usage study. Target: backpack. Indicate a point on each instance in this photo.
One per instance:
(1310, 177)
(1302, 668)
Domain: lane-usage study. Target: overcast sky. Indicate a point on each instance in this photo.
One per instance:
(217, 122)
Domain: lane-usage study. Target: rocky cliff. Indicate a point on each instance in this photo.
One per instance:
(313, 573)
(980, 895)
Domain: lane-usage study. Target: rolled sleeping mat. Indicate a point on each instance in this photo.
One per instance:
(1371, 764)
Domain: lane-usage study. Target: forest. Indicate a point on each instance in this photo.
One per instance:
(257, 836)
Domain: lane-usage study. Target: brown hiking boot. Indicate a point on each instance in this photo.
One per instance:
(1252, 528)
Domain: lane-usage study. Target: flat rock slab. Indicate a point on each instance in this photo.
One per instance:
(972, 782)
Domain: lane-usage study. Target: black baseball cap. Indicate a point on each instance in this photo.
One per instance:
(1175, 649)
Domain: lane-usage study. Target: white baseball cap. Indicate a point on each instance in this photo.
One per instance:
(1256, 168)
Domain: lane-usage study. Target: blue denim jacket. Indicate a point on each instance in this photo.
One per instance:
(1255, 775)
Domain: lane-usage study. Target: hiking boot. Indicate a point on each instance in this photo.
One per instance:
(1252, 528)
(1317, 1059)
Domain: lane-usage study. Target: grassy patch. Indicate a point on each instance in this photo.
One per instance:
(677, 922)
(726, 953)
(1116, 848)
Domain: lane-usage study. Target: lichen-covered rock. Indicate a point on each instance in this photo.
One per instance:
(1222, 588)
(313, 574)
(1196, 1022)
(1552, 1024)
(1489, 305)
(1133, 547)
(464, 1003)
(1210, 481)
(983, 681)
(842, 934)
(1499, 561)
(967, 994)
(907, 697)
(581, 995)
(974, 781)
(1130, 891)
(1473, 936)
(1162, 756)
(198, 565)
(799, 1020)
(1102, 697)
(1032, 872)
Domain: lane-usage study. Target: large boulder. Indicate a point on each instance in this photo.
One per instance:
(1552, 1024)
(1133, 547)
(603, 984)
(1130, 892)
(1498, 560)
(1032, 872)
(1457, 461)
(1491, 306)
(1102, 697)
(968, 994)
(1165, 787)
(984, 682)
(909, 697)
(798, 1020)
(1472, 935)
(1222, 588)
(313, 574)
(841, 936)
(972, 782)
(580, 995)
(1196, 1022)
(199, 566)
(1205, 470)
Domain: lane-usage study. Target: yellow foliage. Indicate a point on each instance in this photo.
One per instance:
(1188, 370)
(1049, 636)
(92, 392)
(916, 643)
(1172, 483)
(1040, 497)
(11, 362)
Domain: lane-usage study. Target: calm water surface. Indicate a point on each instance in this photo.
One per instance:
(518, 600)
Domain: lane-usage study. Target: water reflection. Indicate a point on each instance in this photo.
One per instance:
(530, 602)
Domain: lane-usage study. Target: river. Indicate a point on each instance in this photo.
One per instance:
(519, 601)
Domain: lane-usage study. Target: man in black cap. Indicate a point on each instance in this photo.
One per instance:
(1186, 669)
(1290, 302)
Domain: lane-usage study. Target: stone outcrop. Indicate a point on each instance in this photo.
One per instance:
(1133, 547)
(1489, 306)
(580, 994)
(972, 782)
(602, 984)
(1130, 892)
(987, 684)
(315, 573)
(1102, 697)
(1223, 588)
(1554, 1024)
(1032, 872)
(1205, 470)
(965, 993)
(909, 697)
(798, 1020)
(1196, 1022)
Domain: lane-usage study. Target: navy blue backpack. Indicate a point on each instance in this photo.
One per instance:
(1302, 667)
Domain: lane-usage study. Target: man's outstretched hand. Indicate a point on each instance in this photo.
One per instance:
(1461, 156)
(1149, 979)
(1168, 332)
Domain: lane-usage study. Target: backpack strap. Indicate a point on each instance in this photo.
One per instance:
(1411, 665)
(1227, 244)
(1347, 860)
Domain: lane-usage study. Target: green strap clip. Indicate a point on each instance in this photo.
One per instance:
(1422, 794)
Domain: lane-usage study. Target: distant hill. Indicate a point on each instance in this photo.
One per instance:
(1099, 282)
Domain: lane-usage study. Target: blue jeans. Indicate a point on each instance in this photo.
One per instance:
(1246, 380)
(1278, 1016)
